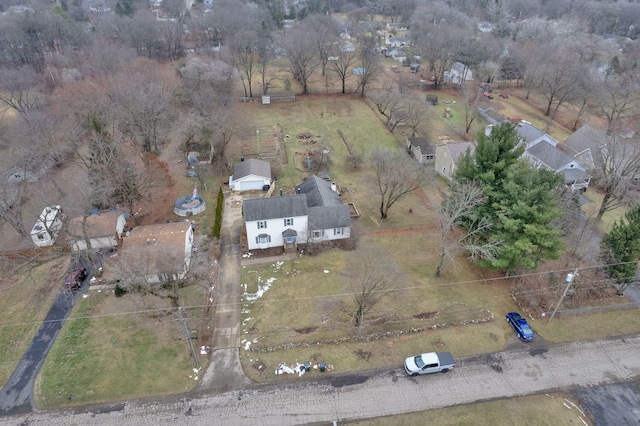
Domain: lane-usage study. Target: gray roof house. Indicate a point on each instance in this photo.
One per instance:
(585, 145)
(251, 174)
(541, 150)
(423, 150)
(545, 155)
(314, 213)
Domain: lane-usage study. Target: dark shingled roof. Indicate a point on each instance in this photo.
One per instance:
(251, 167)
(316, 199)
(426, 146)
(319, 192)
(275, 207)
(329, 217)
(550, 156)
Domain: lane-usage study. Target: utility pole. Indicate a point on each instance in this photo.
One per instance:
(569, 279)
(186, 329)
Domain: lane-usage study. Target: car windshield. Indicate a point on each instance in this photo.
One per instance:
(418, 360)
(525, 327)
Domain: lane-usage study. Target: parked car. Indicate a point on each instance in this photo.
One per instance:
(75, 278)
(487, 95)
(504, 96)
(432, 362)
(521, 326)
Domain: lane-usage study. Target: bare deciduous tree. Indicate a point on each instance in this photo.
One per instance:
(368, 63)
(301, 54)
(470, 94)
(372, 276)
(343, 65)
(396, 174)
(457, 210)
(616, 172)
(19, 90)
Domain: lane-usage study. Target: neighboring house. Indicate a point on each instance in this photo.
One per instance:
(47, 227)
(158, 253)
(397, 41)
(396, 26)
(250, 174)
(96, 231)
(492, 116)
(447, 156)
(551, 158)
(422, 149)
(541, 150)
(314, 213)
(586, 145)
(531, 135)
(460, 73)
(397, 54)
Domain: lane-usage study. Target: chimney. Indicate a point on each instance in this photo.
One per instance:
(298, 191)
(334, 187)
(281, 192)
(242, 158)
(148, 242)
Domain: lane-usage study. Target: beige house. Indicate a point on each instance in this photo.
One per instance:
(157, 253)
(422, 149)
(448, 154)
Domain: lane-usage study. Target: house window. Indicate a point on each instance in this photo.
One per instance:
(318, 234)
(429, 157)
(444, 170)
(262, 224)
(288, 221)
(263, 239)
(337, 231)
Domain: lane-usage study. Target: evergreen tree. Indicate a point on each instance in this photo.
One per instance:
(525, 207)
(620, 248)
(520, 201)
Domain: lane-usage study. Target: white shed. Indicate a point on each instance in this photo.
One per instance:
(47, 227)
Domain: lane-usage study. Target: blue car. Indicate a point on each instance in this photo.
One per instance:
(521, 326)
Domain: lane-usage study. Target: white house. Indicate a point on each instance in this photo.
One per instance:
(459, 73)
(158, 253)
(96, 231)
(314, 213)
(47, 227)
(250, 174)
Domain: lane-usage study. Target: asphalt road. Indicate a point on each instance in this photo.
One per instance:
(323, 398)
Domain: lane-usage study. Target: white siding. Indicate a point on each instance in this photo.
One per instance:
(275, 228)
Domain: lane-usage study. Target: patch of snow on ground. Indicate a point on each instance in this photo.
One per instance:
(262, 289)
(246, 343)
(326, 271)
(246, 319)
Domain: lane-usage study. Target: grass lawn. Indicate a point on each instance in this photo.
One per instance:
(548, 409)
(308, 300)
(591, 210)
(115, 349)
(25, 300)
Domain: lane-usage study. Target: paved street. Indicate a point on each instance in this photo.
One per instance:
(380, 393)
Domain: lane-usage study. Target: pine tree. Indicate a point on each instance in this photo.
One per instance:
(620, 248)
